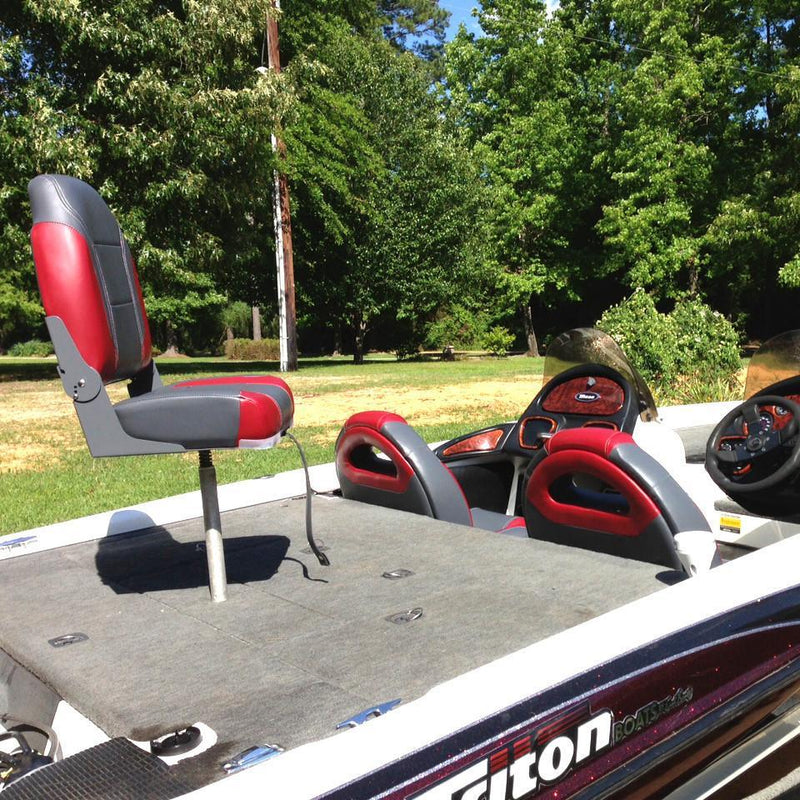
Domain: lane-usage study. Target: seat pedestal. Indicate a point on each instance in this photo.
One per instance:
(217, 577)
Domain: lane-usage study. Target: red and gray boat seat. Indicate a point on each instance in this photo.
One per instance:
(381, 459)
(96, 318)
(597, 489)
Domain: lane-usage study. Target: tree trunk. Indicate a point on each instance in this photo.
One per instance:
(171, 336)
(694, 278)
(256, 324)
(229, 334)
(769, 95)
(358, 348)
(530, 333)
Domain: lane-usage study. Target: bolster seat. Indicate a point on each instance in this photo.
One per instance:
(382, 460)
(597, 489)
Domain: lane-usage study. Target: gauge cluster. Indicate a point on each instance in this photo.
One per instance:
(589, 395)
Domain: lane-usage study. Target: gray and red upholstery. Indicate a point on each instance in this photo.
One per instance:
(597, 489)
(382, 460)
(96, 318)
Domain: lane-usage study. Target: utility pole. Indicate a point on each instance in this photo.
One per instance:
(284, 258)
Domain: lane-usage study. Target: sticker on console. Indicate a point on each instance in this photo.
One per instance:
(587, 397)
(730, 524)
(13, 544)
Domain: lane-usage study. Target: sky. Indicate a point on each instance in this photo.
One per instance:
(460, 11)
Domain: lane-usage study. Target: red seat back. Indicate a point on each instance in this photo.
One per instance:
(87, 277)
(596, 489)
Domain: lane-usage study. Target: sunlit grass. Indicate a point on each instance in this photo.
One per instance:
(47, 474)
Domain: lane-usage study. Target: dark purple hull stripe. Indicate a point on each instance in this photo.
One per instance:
(665, 698)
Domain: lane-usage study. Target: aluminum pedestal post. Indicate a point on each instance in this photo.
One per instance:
(217, 578)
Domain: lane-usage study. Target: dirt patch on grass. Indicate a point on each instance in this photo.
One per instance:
(38, 423)
(442, 404)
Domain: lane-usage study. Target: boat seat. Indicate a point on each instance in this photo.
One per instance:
(96, 318)
(382, 460)
(597, 489)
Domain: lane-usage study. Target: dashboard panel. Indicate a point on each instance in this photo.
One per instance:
(591, 396)
(588, 395)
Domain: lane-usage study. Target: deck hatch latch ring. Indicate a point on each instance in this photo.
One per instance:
(403, 617)
(368, 713)
(67, 639)
(396, 574)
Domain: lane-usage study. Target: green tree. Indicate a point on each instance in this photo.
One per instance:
(38, 131)
(381, 191)
(159, 106)
(752, 242)
(421, 23)
(672, 108)
(522, 100)
(635, 144)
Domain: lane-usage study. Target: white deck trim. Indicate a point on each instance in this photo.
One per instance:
(166, 511)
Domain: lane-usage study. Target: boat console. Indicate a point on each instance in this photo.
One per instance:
(570, 465)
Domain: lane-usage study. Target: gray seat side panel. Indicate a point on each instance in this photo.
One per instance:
(677, 507)
(444, 494)
(490, 520)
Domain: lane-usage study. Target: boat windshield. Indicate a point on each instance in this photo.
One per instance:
(591, 346)
(776, 360)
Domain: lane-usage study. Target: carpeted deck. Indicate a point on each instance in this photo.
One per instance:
(297, 647)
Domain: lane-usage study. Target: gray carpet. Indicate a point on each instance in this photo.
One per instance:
(298, 647)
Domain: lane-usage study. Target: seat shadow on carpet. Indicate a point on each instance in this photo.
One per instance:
(158, 562)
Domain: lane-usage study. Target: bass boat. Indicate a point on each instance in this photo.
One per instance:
(540, 609)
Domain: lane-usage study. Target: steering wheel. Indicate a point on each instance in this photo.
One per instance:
(752, 447)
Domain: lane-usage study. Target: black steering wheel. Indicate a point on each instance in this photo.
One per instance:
(729, 453)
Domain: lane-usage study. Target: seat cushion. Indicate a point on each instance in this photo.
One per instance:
(501, 523)
(210, 413)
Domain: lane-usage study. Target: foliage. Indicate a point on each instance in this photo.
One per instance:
(384, 196)
(498, 340)
(700, 388)
(461, 327)
(158, 106)
(35, 348)
(420, 23)
(251, 350)
(645, 335)
(557, 158)
(692, 340)
(237, 317)
(637, 144)
(706, 342)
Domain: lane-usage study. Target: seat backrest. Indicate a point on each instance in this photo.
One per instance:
(381, 459)
(87, 276)
(597, 489)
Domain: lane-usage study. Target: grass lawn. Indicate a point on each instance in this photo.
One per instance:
(47, 475)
